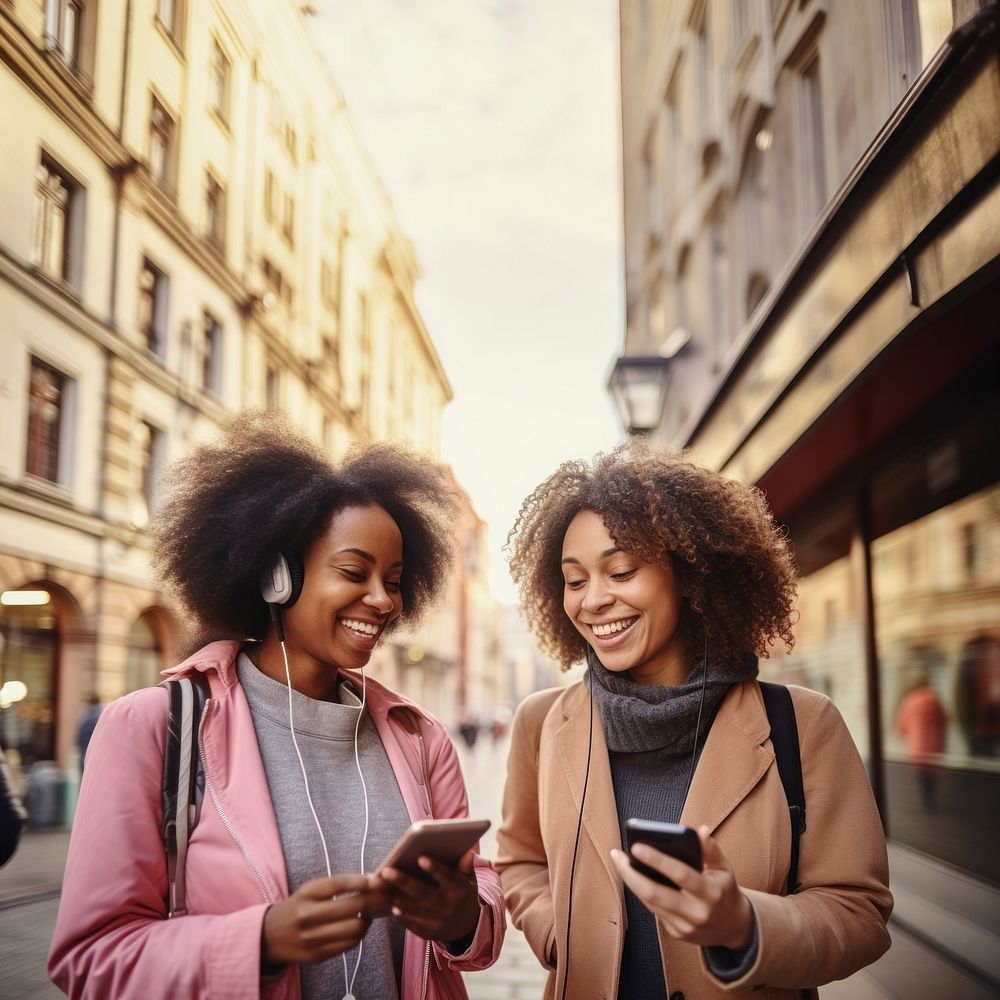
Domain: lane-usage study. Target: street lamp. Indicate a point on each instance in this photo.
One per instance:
(638, 385)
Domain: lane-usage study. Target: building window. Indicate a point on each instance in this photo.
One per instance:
(272, 388)
(152, 449)
(215, 213)
(64, 30)
(277, 111)
(153, 295)
(288, 220)
(971, 550)
(46, 401)
(162, 147)
(926, 25)
(218, 82)
(211, 373)
(270, 197)
(327, 284)
(291, 143)
(57, 221)
(757, 287)
(170, 14)
(813, 172)
(277, 284)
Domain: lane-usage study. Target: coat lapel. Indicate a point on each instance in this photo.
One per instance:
(600, 818)
(736, 756)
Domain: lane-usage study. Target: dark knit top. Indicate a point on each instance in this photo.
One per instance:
(650, 752)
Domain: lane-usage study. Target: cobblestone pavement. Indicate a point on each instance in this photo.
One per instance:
(25, 932)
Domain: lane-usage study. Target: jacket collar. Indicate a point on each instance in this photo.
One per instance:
(735, 757)
(220, 658)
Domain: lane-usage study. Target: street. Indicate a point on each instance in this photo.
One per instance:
(29, 901)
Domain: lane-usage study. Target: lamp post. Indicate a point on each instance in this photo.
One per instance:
(638, 385)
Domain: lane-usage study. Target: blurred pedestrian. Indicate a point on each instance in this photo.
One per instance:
(923, 723)
(312, 771)
(12, 814)
(468, 728)
(670, 581)
(88, 722)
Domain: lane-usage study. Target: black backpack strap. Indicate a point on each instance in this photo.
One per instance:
(183, 780)
(785, 740)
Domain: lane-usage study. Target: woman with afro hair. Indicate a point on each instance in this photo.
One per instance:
(292, 570)
(670, 581)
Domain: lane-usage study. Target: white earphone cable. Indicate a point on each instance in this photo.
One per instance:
(348, 980)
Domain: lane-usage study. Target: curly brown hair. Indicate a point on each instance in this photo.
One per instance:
(732, 561)
(262, 488)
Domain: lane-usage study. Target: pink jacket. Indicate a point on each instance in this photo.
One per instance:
(112, 938)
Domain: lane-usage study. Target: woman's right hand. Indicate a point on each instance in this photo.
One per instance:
(322, 918)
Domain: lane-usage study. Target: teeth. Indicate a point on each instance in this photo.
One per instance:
(364, 627)
(612, 627)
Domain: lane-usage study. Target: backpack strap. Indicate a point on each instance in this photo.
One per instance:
(183, 780)
(785, 740)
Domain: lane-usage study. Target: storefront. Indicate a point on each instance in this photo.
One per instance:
(866, 404)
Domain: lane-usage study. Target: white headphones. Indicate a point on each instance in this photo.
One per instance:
(280, 586)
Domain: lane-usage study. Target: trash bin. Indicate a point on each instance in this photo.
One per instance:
(45, 794)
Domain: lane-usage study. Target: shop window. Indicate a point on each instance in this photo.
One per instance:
(29, 668)
(938, 635)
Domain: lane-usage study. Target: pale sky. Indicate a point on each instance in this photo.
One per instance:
(494, 126)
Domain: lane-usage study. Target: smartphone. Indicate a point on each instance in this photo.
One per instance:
(678, 841)
(445, 840)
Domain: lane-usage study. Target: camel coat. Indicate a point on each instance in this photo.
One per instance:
(832, 927)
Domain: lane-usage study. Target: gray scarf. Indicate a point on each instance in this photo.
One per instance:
(638, 718)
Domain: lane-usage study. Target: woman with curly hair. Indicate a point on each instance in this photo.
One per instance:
(671, 581)
(294, 569)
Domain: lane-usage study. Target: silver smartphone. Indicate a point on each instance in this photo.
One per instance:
(444, 840)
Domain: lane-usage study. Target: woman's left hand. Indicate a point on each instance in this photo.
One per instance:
(446, 909)
(707, 908)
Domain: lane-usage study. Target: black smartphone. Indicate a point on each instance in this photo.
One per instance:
(678, 841)
(445, 840)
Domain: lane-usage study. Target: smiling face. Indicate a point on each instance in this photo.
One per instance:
(627, 609)
(350, 592)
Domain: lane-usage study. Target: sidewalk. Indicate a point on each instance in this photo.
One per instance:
(36, 869)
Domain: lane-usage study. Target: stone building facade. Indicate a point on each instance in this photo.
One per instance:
(812, 254)
(188, 225)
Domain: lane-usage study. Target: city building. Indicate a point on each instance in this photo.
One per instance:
(812, 273)
(452, 664)
(188, 225)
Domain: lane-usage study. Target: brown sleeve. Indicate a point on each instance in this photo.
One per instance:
(521, 859)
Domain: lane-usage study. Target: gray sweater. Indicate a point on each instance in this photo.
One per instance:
(325, 734)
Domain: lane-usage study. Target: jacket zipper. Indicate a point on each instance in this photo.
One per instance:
(430, 809)
(225, 819)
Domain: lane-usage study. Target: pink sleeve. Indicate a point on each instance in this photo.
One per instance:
(451, 802)
(112, 937)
